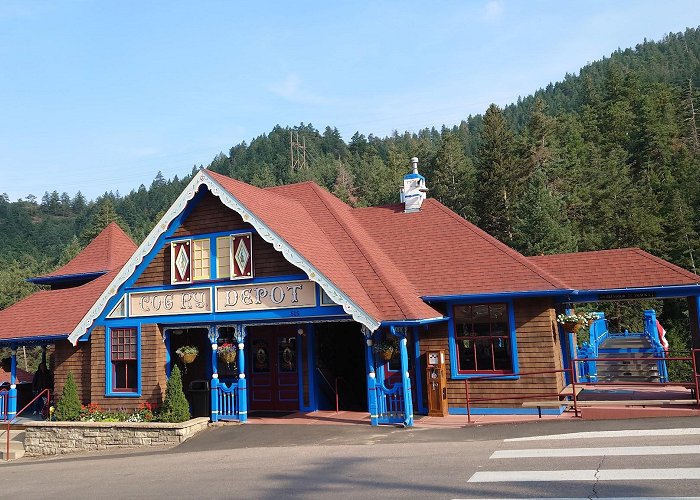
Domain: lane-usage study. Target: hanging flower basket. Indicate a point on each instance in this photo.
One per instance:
(385, 349)
(227, 353)
(187, 353)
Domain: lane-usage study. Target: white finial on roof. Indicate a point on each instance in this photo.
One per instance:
(413, 189)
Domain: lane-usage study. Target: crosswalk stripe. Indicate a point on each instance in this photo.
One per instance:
(610, 434)
(520, 476)
(596, 452)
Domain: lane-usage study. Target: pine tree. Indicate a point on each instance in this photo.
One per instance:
(540, 226)
(68, 406)
(175, 405)
(104, 215)
(496, 176)
(453, 177)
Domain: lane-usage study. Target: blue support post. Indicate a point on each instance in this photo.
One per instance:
(311, 363)
(417, 369)
(214, 386)
(371, 379)
(12, 393)
(406, 380)
(242, 387)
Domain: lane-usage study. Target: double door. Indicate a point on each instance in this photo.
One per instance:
(274, 375)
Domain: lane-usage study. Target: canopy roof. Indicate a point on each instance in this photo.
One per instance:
(110, 249)
(614, 269)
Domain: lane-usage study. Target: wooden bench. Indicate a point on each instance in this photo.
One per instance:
(546, 404)
(568, 391)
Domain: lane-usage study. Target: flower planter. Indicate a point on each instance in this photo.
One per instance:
(188, 358)
(571, 327)
(386, 355)
(228, 356)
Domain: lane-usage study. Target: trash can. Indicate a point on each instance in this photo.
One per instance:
(198, 396)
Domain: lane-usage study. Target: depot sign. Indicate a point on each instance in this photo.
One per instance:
(258, 297)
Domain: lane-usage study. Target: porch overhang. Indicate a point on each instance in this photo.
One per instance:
(34, 340)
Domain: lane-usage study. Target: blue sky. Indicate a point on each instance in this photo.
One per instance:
(101, 95)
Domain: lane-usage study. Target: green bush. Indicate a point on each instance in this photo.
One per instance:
(68, 406)
(175, 406)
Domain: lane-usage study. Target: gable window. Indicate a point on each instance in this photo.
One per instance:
(123, 361)
(200, 259)
(482, 337)
(223, 257)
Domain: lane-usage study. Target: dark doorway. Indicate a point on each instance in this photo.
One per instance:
(274, 368)
(341, 354)
(195, 375)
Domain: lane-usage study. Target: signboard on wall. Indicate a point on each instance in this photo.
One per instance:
(170, 302)
(262, 296)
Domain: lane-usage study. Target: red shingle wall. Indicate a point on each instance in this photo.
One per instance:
(538, 350)
(77, 361)
(153, 377)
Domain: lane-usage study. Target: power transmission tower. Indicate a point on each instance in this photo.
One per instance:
(297, 151)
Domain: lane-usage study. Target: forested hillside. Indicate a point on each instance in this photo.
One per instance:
(606, 158)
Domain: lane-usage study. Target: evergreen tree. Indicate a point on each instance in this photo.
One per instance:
(496, 176)
(175, 405)
(453, 177)
(102, 218)
(68, 406)
(540, 227)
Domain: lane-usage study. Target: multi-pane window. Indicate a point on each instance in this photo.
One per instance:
(223, 257)
(482, 335)
(200, 259)
(124, 358)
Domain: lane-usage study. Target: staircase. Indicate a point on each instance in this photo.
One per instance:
(16, 443)
(634, 370)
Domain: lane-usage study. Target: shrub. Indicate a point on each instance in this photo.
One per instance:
(68, 406)
(175, 405)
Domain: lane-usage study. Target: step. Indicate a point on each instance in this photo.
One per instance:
(16, 444)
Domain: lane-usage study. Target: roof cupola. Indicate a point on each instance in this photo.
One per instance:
(413, 192)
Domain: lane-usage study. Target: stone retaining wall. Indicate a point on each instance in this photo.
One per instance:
(56, 438)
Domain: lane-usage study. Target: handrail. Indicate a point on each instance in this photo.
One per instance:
(334, 389)
(9, 422)
(691, 358)
(569, 370)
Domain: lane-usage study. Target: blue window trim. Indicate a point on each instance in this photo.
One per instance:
(109, 391)
(454, 371)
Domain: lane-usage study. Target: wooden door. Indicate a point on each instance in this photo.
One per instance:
(274, 376)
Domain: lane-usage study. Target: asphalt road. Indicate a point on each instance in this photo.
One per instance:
(287, 461)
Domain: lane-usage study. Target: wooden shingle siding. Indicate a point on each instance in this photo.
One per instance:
(211, 216)
(75, 360)
(153, 377)
(538, 350)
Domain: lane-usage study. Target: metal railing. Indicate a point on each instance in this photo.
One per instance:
(693, 384)
(477, 378)
(9, 422)
(333, 387)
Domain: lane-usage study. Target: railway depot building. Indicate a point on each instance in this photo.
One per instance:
(286, 299)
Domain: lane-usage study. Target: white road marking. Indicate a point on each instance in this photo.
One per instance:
(527, 476)
(610, 434)
(598, 498)
(596, 452)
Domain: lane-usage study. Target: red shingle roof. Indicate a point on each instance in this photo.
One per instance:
(23, 377)
(332, 241)
(611, 269)
(443, 254)
(52, 312)
(110, 249)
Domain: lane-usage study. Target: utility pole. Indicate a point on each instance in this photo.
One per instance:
(297, 152)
